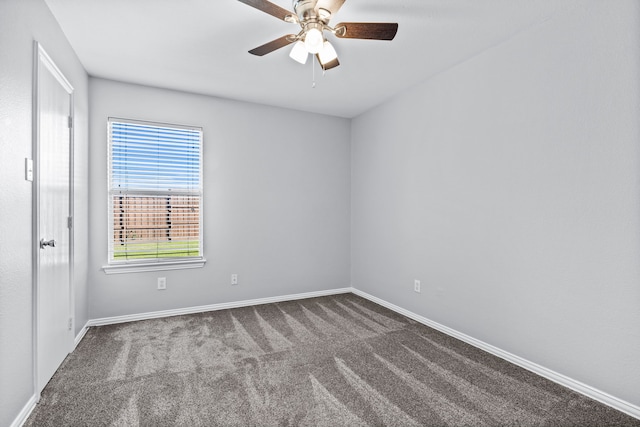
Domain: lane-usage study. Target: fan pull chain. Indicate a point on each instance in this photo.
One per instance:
(313, 67)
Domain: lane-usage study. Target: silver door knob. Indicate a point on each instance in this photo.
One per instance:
(44, 243)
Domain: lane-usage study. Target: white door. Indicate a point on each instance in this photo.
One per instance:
(53, 207)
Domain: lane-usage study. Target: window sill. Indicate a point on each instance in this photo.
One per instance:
(153, 266)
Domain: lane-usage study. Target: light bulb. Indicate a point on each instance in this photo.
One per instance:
(327, 54)
(299, 52)
(313, 40)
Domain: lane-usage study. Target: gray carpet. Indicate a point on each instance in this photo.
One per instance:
(330, 361)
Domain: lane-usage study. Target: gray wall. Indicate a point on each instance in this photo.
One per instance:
(22, 22)
(276, 201)
(510, 186)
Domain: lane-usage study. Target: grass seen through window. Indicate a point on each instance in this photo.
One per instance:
(142, 250)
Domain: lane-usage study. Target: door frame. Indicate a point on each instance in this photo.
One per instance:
(40, 56)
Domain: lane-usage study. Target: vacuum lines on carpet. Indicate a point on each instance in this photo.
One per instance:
(330, 361)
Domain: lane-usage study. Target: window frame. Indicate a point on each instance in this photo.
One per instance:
(152, 264)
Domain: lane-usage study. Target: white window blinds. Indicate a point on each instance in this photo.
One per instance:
(155, 192)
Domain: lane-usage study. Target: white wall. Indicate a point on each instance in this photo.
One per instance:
(22, 22)
(510, 185)
(276, 201)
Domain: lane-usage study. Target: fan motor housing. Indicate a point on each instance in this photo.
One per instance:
(305, 9)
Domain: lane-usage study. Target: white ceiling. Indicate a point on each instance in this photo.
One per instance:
(201, 46)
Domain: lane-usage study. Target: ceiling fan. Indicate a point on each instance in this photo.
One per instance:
(313, 16)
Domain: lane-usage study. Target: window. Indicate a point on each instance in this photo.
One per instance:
(155, 195)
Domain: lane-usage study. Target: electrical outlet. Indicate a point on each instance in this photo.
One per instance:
(234, 279)
(162, 283)
(416, 286)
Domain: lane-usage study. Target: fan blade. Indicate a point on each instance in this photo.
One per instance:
(273, 45)
(328, 65)
(366, 30)
(268, 7)
(332, 6)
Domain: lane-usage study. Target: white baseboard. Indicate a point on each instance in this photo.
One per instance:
(212, 307)
(26, 411)
(593, 393)
(31, 404)
(80, 335)
(33, 401)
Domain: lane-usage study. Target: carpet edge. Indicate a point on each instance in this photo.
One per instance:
(25, 412)
(575, 385)
(80, 335)
(213, 307)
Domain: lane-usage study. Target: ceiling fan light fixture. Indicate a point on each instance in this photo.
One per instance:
(313, 40)
(327, 54)
(313, 16)
(299, 52)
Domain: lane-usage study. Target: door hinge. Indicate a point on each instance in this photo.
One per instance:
(70, 122)
(69, 222)
(70, 323)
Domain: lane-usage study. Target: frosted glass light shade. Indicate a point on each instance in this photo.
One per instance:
(313, 40)
(299, 53)
(327, 54)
